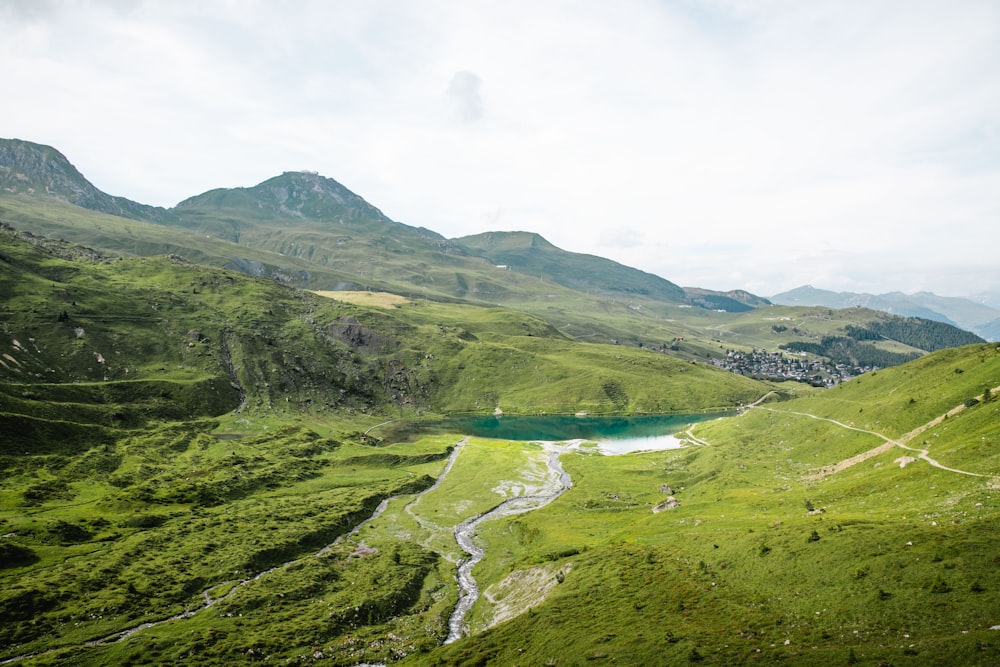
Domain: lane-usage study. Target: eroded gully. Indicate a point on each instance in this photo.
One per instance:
(209, 601)
(557, 483)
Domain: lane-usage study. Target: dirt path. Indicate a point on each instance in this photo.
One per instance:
(889, 443)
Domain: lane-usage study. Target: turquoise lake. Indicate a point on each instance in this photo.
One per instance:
(568, 427)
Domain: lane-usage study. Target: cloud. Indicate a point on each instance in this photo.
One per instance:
(463, 91)
(723, 144)
(29, 10)
(624, 237)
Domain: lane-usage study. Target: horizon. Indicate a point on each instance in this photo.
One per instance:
(711, 144)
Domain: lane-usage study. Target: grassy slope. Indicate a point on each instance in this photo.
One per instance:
(897, 568)
(324, 255)
(124, 516)
(119, 505)
(146, 526)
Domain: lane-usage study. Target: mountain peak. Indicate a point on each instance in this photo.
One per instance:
(39, 170)
(506, 241)
(295, 194)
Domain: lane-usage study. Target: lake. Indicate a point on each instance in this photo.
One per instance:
(614, 435)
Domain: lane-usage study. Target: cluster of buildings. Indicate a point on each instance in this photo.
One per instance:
(776, 366)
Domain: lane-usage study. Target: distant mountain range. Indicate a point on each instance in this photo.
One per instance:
(964, 313)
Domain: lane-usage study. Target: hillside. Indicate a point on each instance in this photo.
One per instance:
(817, 531)
(845, 528)
(42, 171)
(144, 400)
(77, 316)
(309, 231)
(531, 254)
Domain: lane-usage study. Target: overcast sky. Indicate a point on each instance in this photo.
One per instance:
(759, 144)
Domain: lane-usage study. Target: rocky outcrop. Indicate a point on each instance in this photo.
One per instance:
(668, 504)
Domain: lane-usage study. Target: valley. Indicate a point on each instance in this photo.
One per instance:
(232, 432)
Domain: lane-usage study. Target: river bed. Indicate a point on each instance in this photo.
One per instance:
(557, 483)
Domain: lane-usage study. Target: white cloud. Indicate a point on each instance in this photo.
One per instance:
(464, 92)
(720, 144)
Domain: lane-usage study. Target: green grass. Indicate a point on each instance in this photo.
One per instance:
(584, 298)
(896, 568)
(143, 526)
(235, 425)
(893, 565)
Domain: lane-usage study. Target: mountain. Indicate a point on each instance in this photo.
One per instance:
(956, 311)
(72, 315)
(294, 197)
(309, 231)
(531, 254)
(991, 299)
(733, 301)
(197, 467)
(39, 170)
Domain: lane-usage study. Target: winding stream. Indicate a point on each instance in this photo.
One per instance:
(559, 481)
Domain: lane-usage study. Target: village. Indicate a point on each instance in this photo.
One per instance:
(775, 366)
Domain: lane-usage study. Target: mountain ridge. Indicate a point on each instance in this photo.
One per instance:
(309, 231)
(37, 169)
(960, 312)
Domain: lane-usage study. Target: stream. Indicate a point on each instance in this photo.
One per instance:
(559, 481)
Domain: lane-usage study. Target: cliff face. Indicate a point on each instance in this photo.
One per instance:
(34, 169)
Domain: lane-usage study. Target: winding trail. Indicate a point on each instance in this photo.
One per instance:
(559, 481)
(889, 443)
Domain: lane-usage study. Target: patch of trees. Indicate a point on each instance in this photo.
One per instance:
(916, 332)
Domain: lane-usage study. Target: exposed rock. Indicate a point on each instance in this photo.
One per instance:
(665, 488)
(668, 504)
(358, 336)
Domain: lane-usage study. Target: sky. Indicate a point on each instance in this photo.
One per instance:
(851, 145)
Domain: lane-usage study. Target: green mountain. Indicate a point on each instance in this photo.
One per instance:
(309, 231)
(188, 451)
(529, 253)
(42, 171)
(73, 315)
(733, 301)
